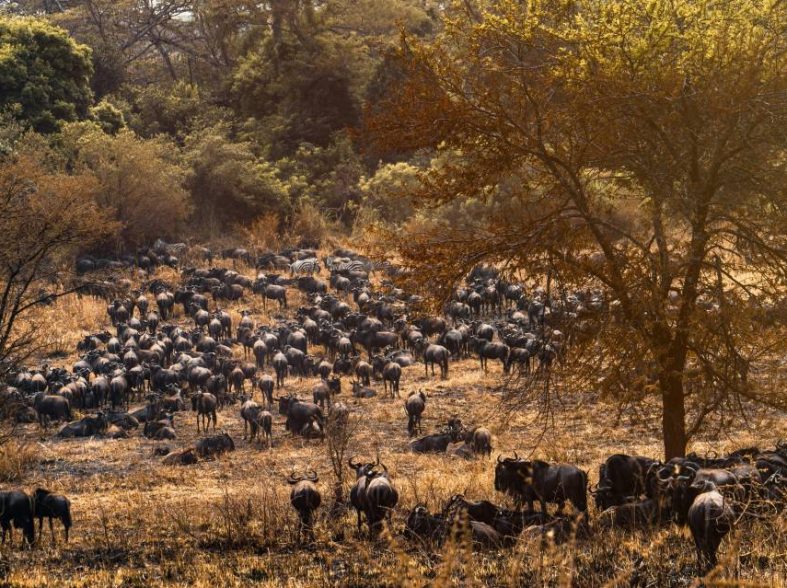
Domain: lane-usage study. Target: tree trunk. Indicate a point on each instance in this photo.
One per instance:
(673, 415)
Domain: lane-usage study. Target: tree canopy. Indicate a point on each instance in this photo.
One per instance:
(634, 147)
(44, 73)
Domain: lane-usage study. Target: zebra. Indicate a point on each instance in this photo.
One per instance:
(305, 266)
(351, 266)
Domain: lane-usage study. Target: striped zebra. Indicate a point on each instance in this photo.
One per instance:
(351, 266)
(305, 266)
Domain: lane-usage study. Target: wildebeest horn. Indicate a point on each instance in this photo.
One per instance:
(691, 466)
(498, 458)
(312, 476)
(351, 462)
(660, 474)
(293, 479)
(516, 457)
(781, 444)
(709, 452)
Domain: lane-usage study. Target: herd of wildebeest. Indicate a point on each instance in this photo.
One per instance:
(174, 348)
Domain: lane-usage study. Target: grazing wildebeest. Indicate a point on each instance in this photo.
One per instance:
(710, 518)
(205, 404)
(414, 407)
(539, 480)
(437, 354)
(305, 499)
(214, 445)
(17, 507)
(47, 505)
(275, 292)
(392, 373)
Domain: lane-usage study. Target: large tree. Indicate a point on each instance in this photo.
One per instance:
(634, 146)
(44, 74)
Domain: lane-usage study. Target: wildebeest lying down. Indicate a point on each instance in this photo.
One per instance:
(47, 505)
(16, 508)
(183, 457)
(421, 523)
(85, 427)
(215, 445)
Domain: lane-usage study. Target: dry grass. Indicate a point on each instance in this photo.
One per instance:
(228, 522)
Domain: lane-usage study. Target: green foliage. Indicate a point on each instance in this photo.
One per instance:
(298, 91)
(389, 192)
(44, 74)
(175, 111)
(229, 182)
(108, 116)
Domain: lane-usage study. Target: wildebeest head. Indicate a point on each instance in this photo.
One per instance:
(361, 468)
(511, 473)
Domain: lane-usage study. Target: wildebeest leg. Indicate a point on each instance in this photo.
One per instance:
(543, 505)
(51, 530)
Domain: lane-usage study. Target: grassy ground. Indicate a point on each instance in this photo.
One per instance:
(228, 521)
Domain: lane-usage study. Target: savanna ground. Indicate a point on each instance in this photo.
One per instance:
(229, 522)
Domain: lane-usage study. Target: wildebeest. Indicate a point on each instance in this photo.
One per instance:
(414, 407)
(325, 390)
(47, 505)
(186, 456)
(623, 478)
(437, 442)
(437, 354)
(50, 406)
(392, 373)
(16, 508)
(634, 515)
(710, 518)
(85, 427)
(358, 491)
(381, 498)
(305, 499)
(360, 391)
(266, 386)
(214, 445)
(538, 480)
(280, 366)
(205, 404)
(256, 418)
(301, 416)
(480, 439)
(421, 523)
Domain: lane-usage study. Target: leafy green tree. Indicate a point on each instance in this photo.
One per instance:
(44, 74)
(108, 116)
(230, 183)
